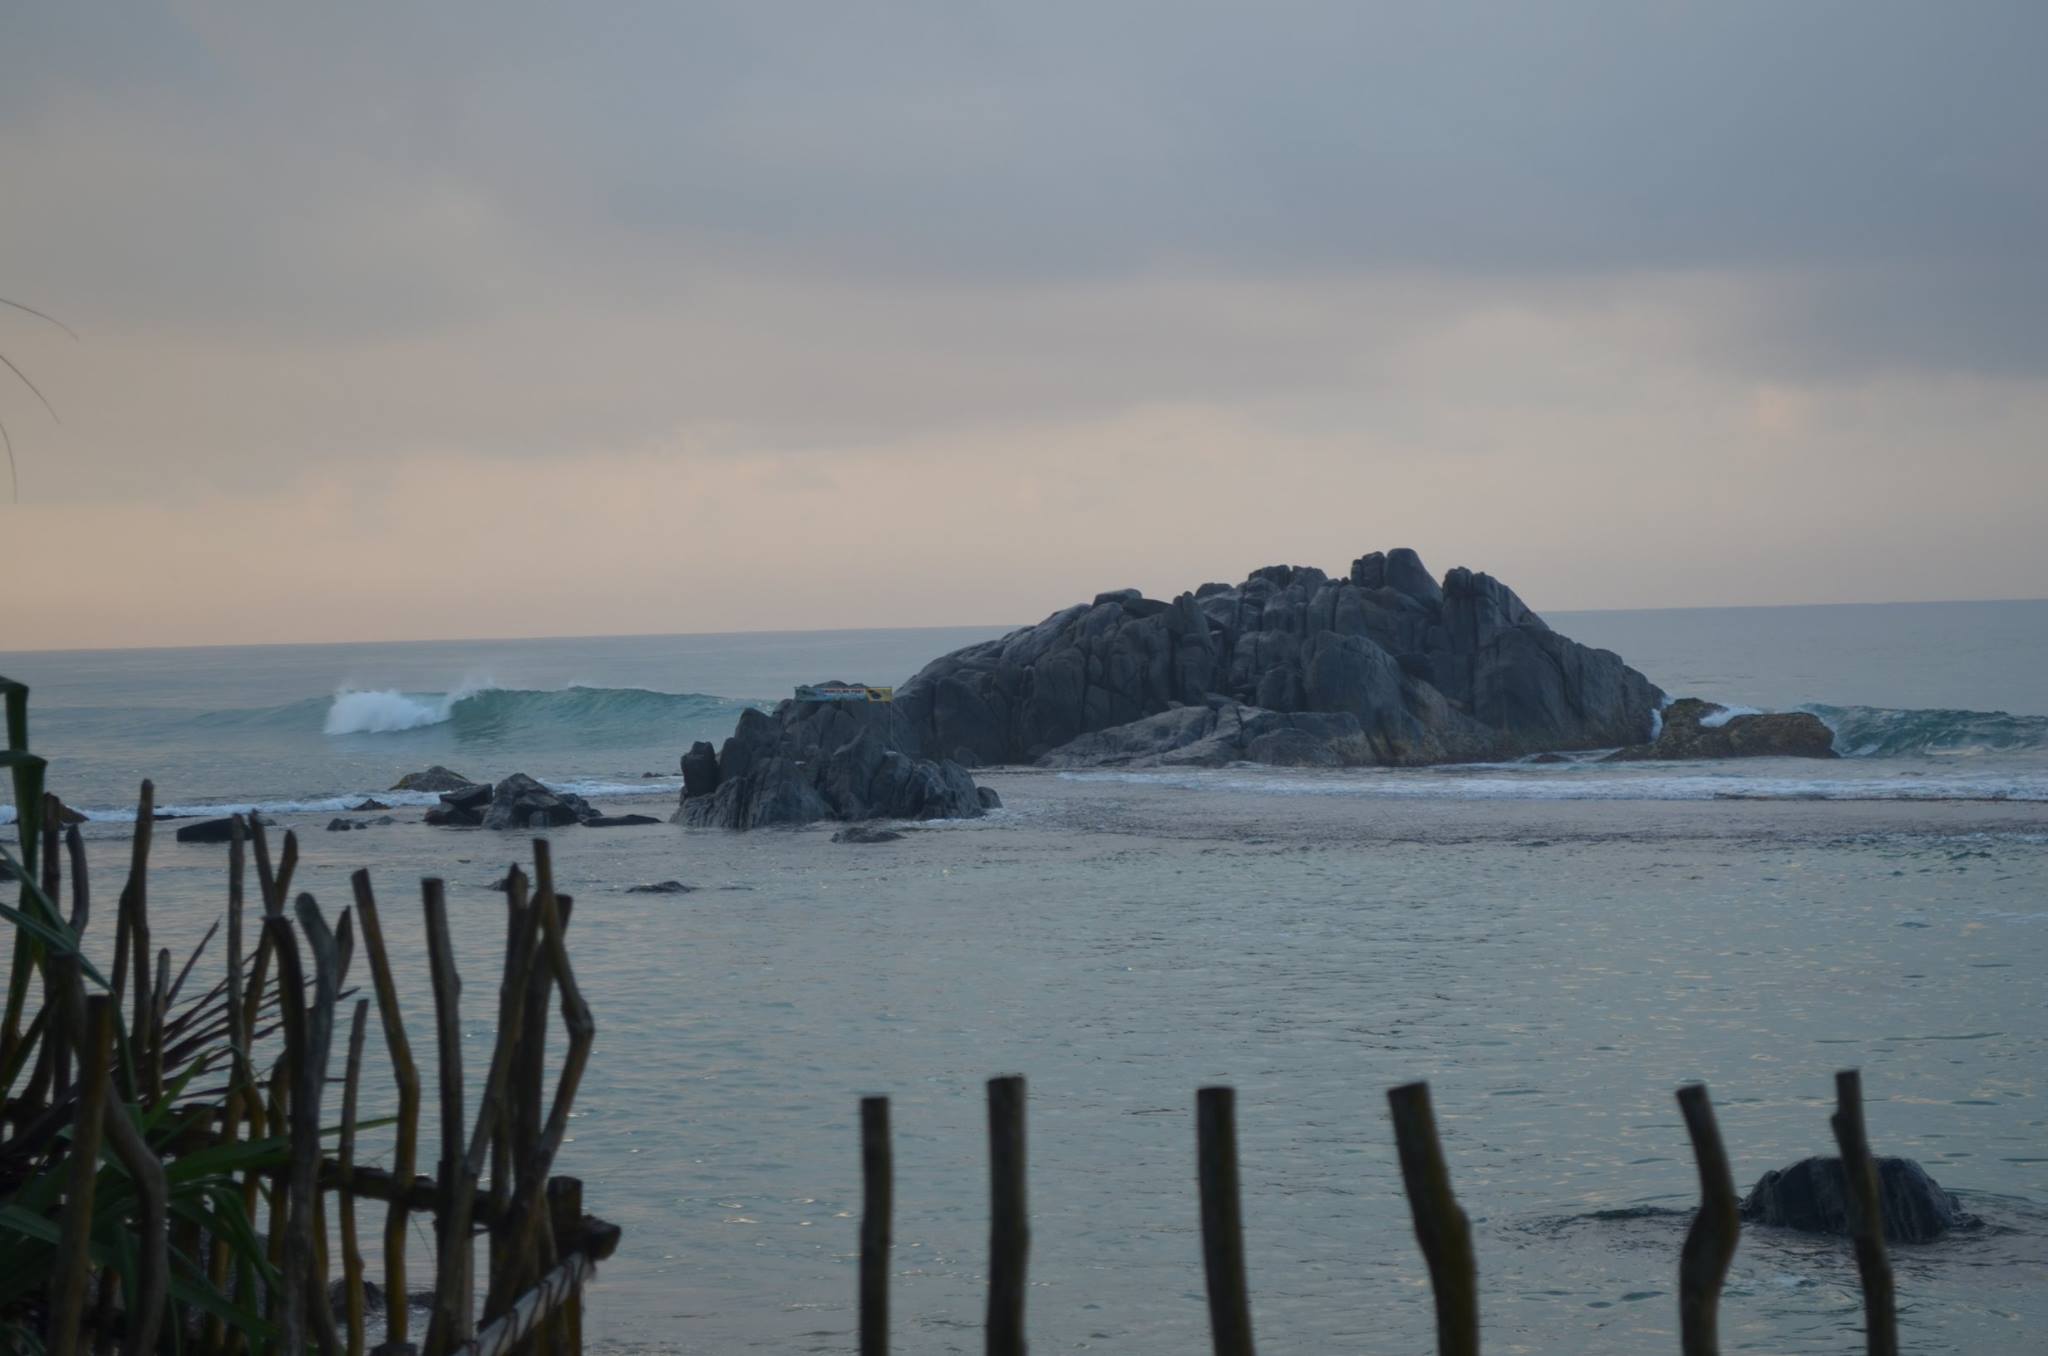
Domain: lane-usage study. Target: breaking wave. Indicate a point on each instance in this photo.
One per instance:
(484, 712)
(1882, 732)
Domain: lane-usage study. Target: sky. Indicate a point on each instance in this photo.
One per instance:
(506, 319)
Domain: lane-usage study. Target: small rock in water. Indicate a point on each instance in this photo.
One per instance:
(862, 833)
(989, 799)
(1813, 1195)
(618, 821)
(370, 803)
(207, 831)
(450, 816)
(435, 778)
(340, 825)
(661, 887)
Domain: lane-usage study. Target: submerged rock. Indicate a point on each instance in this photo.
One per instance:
(618, 821)
(661, 887)
(340, 825)
(989, 799)
(453, 817)
(370, 803)
(1701, 729)
(1812, 1195)
(865, 833)
(207, 831)
(435, 778)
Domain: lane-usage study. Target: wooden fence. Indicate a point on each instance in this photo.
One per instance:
(1441, 1230)
(100, 1065)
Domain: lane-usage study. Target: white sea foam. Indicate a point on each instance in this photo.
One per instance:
(1657, 718)
(1715, 720)
(397, 800)
(360, 711)
(1559, 784)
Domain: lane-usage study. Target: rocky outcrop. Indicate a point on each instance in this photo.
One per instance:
(700, 770)
(520, 802)
(1812, 1195)
(1382, 665)
(1406, 670)
(435, 778)
(1701, 729)
(826, 760)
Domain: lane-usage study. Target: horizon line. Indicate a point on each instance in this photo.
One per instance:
(934, 626)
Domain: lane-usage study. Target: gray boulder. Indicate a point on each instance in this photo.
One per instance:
(826, 760)
(453, 817)
(520, 802)
(1812, 1195)
(435, 778)
(1773, 734)
(468, 797)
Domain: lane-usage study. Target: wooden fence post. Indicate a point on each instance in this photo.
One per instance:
(1230, 1309)
(1009, 1230)
(1866, 1216)
(1710, 1242)
(71, 1272)
(1440, 1226)
(878, 1206)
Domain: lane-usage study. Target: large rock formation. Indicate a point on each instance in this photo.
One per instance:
(1812, 1195)
(1383, 665)
(1424, 672)
(1703, 729)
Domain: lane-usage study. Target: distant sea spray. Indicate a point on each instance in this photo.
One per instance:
(483, 711)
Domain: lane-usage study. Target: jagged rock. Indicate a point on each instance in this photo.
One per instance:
(370, 803)
(520, 802)
(700, 770)
(863, 833)
(1218, 734)
(382, 820)
(435, 778)
(453, 817)
(618, 821)
(661, 887)
(989, 799)
(1426, 671)
(1777, 734)
(468, 797)
(340, 825)
(1812, 1195)
(826, 760)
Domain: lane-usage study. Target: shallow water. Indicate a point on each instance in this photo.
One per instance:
(1554, 948)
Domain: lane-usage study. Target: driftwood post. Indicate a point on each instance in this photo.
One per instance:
(1009, 1230)
(1440, 1226)
(72, 1270)
(1230, 1308)
(449, 1325)
(1710, 1242)
(351, 1247)
(877, 1211)
(405, 1151)
(1866, 1216)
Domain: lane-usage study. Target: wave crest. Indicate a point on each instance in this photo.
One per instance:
(482, 712)
(1884, 732)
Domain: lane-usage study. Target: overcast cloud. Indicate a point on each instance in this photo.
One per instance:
(1634, 304)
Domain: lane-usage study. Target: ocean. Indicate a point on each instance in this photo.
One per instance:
(1556, 947)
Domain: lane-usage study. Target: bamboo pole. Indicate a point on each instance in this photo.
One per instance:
(1710, 1242)
(1009, 1231)
(1440, 1226)
(313, 1080)
(71, 1271)
(532, 1307)
(351, 1248)
(501, 1103)
(449, 1325)
(878, 1208)
(292, 1213)
(136, 901)
(159, 1002)
(1230, 1309)
(1866, 1216)
(407, 1075)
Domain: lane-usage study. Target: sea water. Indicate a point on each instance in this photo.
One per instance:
(1554, 947)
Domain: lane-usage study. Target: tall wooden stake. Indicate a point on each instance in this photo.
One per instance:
(1440, 1226)
(1866, 1216)
(1710, 1243)
(878, 1206)
(1230, 1307)
(1009, 1230)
